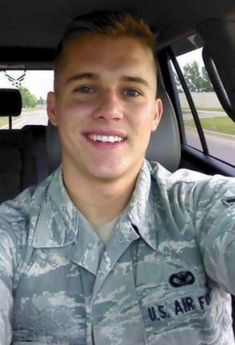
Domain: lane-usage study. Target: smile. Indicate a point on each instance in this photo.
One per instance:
(105, 138)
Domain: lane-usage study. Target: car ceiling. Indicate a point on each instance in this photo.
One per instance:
(40, 23)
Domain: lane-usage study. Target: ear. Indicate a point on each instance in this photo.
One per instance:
(51, 108)
(158, 113)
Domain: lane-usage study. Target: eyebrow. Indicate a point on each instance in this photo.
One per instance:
(95, 76)
(138, 80)
(80, 76)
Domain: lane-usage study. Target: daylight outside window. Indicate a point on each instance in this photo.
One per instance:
(219, 129)
(33, 86)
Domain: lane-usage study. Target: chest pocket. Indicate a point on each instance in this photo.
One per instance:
(171, 295)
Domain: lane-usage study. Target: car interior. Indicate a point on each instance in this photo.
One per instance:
(29, 34)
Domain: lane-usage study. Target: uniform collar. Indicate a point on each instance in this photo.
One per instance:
(58, 216)
(58, 220)
(141, 209)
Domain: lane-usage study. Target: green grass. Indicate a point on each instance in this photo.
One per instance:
(210, 109)
(216, 124)
(187, 110)
(3, 121)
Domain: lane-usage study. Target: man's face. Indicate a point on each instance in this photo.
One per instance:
(105, 106)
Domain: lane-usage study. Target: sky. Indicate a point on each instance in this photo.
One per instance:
(195, 55)
(40, 82)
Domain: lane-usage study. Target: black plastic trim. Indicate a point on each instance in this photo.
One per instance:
(27, 57)
(190, 101)
(206, 163)
(218, 84)
(170, 86)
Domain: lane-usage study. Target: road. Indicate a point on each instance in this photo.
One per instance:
(205, 114)
(36, 117)
(220, 146)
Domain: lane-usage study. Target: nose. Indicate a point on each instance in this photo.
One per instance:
(109, 107)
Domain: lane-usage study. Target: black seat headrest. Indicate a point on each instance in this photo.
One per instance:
(10, 102)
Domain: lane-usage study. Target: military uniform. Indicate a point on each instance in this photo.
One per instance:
(163, 278)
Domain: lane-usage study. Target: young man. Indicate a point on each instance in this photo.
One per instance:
(109, 249)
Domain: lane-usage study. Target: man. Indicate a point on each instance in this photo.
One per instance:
(109, 249)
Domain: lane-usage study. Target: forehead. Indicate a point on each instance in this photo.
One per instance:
(111, 52)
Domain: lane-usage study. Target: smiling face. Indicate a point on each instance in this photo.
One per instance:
(105, 106)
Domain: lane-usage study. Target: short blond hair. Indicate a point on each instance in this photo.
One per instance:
(113, 24)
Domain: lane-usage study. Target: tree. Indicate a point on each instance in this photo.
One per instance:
(206, 85)
(192, 76)
(40, 101)
(197, 81)
(28, 99)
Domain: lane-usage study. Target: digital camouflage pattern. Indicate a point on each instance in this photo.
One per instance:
(164, 278)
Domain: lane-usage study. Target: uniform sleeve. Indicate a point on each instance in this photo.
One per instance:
(215, 223)
(7, 259)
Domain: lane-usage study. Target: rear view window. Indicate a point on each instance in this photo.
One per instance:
(34, 86)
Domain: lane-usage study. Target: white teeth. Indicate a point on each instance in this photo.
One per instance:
(105, 138)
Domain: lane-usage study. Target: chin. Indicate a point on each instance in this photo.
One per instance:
(109, 172)
(107, 176)
(115, 171)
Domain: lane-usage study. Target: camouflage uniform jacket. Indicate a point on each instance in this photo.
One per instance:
(164, 277)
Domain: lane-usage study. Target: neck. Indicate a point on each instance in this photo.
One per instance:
(99, 201)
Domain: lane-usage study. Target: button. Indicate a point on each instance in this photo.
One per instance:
(121, 240)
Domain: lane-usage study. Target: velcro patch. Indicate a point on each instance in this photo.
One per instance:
(228, 201)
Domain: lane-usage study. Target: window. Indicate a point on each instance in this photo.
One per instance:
(218, 128)
(191, 133)
(34, 86)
